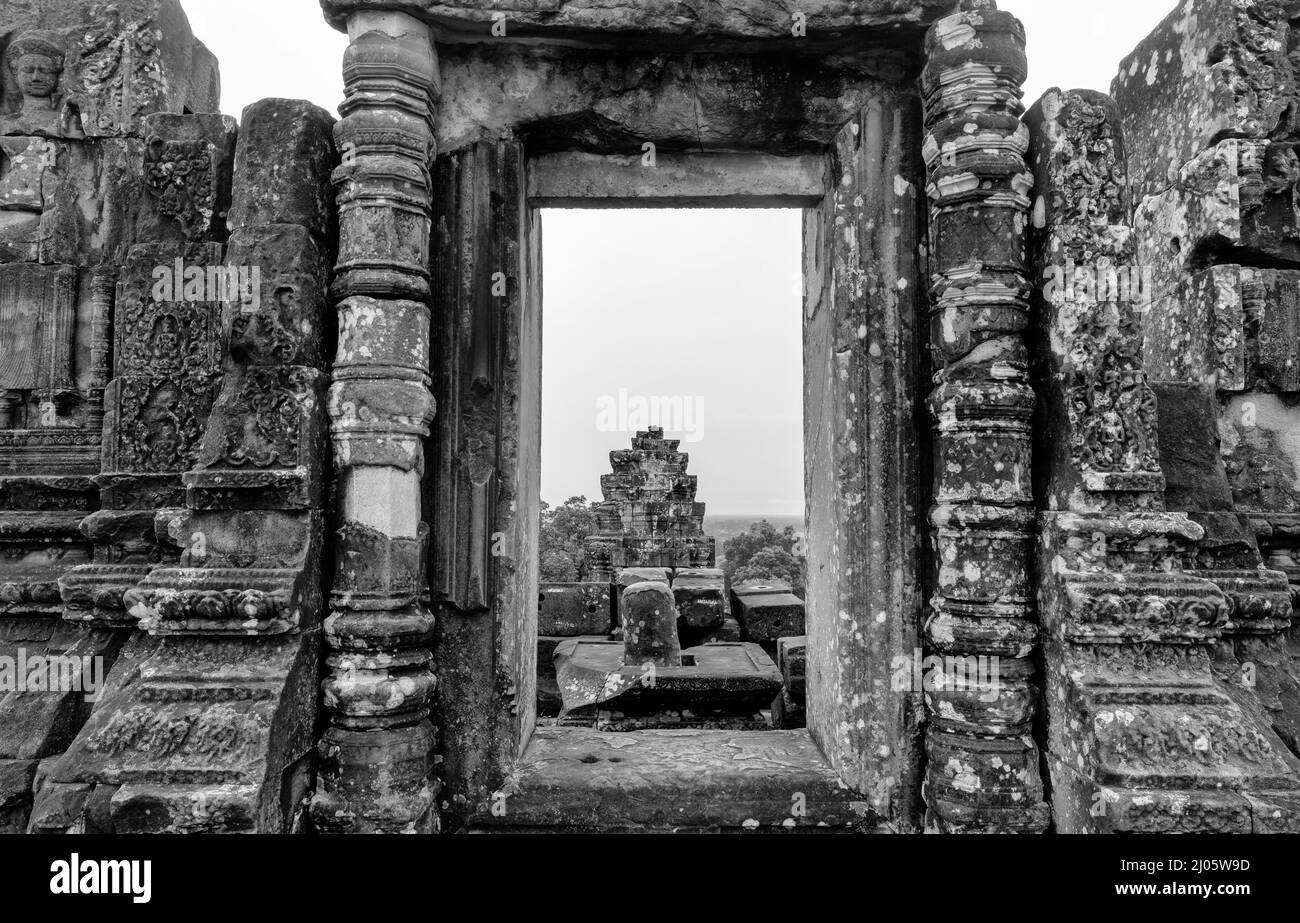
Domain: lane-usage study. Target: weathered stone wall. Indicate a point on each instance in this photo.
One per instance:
(1211, 70)
(229, 598)
(1129, 625)
(1220, 231)
(163, 423)
(1168, 668)
(73, 149)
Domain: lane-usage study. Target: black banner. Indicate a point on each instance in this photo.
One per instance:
(131, 876)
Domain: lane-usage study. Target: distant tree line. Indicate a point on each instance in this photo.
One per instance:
(763, 553)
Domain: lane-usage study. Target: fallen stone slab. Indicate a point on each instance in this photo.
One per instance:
(549, 701)
(728, 679)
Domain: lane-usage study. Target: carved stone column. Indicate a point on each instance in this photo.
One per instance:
(377, 753)
(982, 773)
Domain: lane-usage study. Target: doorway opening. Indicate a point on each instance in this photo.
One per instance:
(861, 333)
(672, 454)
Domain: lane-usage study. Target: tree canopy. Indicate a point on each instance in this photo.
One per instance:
(767, 554)
(560, 543)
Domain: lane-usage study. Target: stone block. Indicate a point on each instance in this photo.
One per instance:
(596, 103)
(615, 722)
(695, 572)
(145, 808)
(1233, 327)
(1189, 442)
(758, 588)
(1256, 433)
(571, 609)
(1275, 812)
(648, 616)
(242, 573)
(288, 320)
(549, 701)
(63, 808)
(585, 779)
(1210, 70)
(1234, 196)
(189, 163)
(729, 632)
(702, 601)
(663, 24)
(68, 201)
(792, 659)
(16, 778)
(1082, 805)
(204, 734)
(765, 618)
(1195, 333)
(70, 663)
(283, 164)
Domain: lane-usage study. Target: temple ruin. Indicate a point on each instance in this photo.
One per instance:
(270, 426)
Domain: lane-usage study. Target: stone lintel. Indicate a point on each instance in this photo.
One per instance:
(582, 180)
(810, 26)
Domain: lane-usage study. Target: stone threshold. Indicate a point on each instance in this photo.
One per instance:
(583, 780)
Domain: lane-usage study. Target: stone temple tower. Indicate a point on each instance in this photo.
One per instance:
(649, 517)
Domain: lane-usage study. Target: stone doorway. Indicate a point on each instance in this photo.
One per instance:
(859, 763)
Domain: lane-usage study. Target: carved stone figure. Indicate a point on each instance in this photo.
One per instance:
(35, 65)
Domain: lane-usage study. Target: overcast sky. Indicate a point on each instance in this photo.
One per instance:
(700, 307)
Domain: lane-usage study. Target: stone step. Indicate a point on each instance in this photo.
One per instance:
(584, 780)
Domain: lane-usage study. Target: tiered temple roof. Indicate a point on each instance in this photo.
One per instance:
(649, 517)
